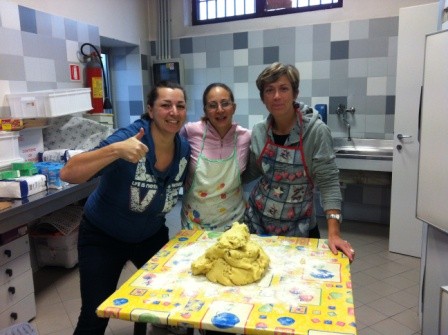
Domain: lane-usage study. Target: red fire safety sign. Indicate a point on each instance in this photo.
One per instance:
(74, 72)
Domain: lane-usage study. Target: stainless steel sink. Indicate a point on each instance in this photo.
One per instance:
(363, 148)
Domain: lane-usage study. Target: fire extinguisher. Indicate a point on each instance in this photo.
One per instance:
(94, 80)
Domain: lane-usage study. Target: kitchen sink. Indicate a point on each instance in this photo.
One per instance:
(363, 148)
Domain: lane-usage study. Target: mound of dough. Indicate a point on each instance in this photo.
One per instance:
(234, 260)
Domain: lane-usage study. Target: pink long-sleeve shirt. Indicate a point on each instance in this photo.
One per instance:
(215, 147)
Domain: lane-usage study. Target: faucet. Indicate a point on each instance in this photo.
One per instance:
(342, 110)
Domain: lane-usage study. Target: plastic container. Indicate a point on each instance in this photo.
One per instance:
(55, 249)
(9, 148)
(322, 110)
(49, 103)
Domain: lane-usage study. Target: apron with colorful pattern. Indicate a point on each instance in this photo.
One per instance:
(282, 201)
(215, 198)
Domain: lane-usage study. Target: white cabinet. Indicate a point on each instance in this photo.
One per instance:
(16, 283)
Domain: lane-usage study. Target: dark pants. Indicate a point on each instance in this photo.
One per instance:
(101, 260)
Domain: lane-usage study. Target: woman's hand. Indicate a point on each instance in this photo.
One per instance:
(132, 149)
(336, 243)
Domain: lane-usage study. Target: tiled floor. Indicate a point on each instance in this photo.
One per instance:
(386, 288)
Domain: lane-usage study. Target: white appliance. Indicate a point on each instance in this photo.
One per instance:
(432, 185)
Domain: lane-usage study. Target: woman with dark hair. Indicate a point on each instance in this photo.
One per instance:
(142, 168)
(213, 194)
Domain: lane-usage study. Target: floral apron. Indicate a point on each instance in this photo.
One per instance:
(215, 198)
(282, 201)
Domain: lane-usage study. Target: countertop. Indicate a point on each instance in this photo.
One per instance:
(37, 205)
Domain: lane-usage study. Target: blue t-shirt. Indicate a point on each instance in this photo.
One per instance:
(131, 199)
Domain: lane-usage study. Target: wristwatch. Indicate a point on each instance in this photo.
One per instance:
(335, 216)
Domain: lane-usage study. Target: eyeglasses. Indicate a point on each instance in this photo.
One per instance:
(213, 106)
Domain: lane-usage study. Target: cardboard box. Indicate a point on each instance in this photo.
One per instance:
(31, 142)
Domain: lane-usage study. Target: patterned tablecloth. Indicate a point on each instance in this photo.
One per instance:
(307, 290)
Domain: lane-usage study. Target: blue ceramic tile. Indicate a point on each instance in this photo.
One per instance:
(305, 88)
(256, 56)
(43, 23)
(240, 74)
(279, 36)
(378, 47)
(199, 44)
(27, 20)
(357, 86)
(357, 67)
(338, 86)
(270, 55)
(94, 35)
(83, 32)
(390, 105)
(389, 124)
(321, 88)
(383, 27)
(359, 102)
(321, 69)
(287, 54)
(212, 75)
(219, 42)
(227, 75)
(13, 39)
(376, 105)
(213, 59)
(135, 93)
(377, 67)
(375, 123)
(57, 27)
(358, 30)
(322, 33)
(304, 35)
(334, 102)
(339, 50)
(255, 39)
(339, 69)
(186, 45)
(226, 58)
(304, 52)
(321, 51)
(136, 107)
(359, 48)
(71, 29)
(240, 40)
(12, 67)
(391, 85)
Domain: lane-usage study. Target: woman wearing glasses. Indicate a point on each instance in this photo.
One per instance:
(213, 194)
(142, 168)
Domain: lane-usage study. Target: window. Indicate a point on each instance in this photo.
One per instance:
(213, 11)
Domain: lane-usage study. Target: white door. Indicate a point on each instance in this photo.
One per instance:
(405, 229)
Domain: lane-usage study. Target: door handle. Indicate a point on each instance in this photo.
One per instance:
(401, 136)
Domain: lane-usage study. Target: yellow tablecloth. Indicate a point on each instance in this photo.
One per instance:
(307, 290)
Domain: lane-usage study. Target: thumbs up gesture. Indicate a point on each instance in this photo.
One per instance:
(133, 149)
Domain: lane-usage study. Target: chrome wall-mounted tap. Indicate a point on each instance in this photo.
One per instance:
(342, 110)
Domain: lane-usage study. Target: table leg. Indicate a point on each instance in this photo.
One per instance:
(139, 328)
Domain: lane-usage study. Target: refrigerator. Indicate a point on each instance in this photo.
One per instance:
(432, 185)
